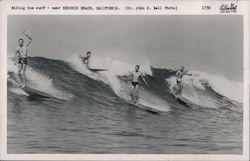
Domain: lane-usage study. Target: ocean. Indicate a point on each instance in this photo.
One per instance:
(72, 110)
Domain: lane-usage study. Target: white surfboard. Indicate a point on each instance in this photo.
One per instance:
(145, 108)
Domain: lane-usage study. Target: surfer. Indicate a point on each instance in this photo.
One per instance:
(135, 84)
(86, 59)
(179, 74)
(21, 59)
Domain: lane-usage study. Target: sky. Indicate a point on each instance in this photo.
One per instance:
(212, 44)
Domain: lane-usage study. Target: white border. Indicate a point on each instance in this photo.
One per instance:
(184, 8)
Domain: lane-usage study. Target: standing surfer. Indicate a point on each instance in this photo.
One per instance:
(135, 84)
(179, 85)
(21, 53)
(86, 59)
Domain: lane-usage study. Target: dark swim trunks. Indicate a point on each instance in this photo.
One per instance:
(178, 80)
(22, 61)
(135, 83)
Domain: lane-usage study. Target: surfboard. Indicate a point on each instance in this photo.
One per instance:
(36, 93)
(178, 98)
(25, 91)
(97, 70)
(19, 92)
(145, 108)
(148, 109)
(182, 100)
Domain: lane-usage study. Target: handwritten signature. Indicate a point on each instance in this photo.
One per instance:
(225, 8)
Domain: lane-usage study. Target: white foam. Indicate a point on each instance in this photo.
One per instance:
(118, 68)
(115, 68)
(224, 86)
(39, 82)
(148, 99)
(231, 89)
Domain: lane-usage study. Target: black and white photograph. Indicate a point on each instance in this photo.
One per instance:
(125, 84)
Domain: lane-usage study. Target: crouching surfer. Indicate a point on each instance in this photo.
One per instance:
(21, 53)
(179, 85)
(86, 59)
(135, 84)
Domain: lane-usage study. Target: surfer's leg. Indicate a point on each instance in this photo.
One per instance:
(178, 82)
(181, 87)
(132, 93)
(24, 75)
(177, 87)
(19, 68)
(136, 94)
(87, 65)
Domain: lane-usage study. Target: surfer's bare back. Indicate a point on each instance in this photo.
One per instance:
(21, 54)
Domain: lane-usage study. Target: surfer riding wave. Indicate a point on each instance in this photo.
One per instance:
(135, 84)
(86, 61)
(21, 53)
(179, 85)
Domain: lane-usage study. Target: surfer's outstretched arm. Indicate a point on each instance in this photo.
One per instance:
(16, 57)
(84, 59)
(30, 39)
(129, 75)
(177, 72)
(144, 80)
(188, 74)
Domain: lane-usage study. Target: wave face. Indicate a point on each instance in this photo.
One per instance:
(94, 106)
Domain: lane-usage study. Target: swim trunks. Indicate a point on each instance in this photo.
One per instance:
(135, 83)
(178, 80)
(22, 61)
